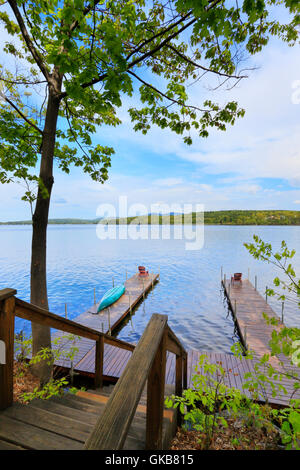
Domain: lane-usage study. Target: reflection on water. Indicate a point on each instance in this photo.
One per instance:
(189, 291)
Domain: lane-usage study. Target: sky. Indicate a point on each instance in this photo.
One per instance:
(255, 164)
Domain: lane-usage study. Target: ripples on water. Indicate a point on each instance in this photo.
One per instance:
(189, 290)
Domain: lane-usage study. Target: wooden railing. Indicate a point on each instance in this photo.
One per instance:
(147, 363)
(11, 307)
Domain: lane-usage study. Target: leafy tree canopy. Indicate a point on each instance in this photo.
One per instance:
(88, 54)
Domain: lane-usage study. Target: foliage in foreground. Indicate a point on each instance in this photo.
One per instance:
(64, 350)
(204, 405)
(284, 343)
(211, 404)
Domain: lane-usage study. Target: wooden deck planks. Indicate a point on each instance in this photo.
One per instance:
(136, 288)
(252, 328)
(248, 306)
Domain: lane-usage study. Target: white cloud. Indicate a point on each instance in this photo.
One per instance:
(169, 182)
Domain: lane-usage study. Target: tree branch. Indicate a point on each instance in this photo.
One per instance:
(163, 94)
(206, 69)
(85, 12)
(147, 54)
(20, 113)
(38, 59)
(22, 82)
(161, 33)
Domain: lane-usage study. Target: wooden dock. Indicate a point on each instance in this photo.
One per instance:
(107, 321)
(71, 421)
(136, 287)
(253, 330)
(248, 306)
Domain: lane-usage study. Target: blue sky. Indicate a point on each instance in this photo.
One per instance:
(253, 165)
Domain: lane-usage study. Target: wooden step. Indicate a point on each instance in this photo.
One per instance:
(65, 410)
(138, 426)
(32, 437)
(4, 445)
(54, 422)
(64, 423)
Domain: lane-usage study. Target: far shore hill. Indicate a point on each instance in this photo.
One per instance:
(230, 217)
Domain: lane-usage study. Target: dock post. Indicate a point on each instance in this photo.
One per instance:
(248, 274)
(66, 311)
(245, 337)
(229, 288)
(225, 280)
(255, 282)
(109, 330)
(266, 294)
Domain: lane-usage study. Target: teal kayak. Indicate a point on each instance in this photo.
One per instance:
(111, 296)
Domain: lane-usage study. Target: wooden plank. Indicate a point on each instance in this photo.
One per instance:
(32, 437)
(4, 445)
(185, 372)
(99, 358)
(170, 368)
(7, 327)
(65, 410)
(155, 396)
(43, 317)
(115, 357)
(53, 422)
(74, 402)
(118, 342)
(7, 293)
(179, 383)
(120, 366)
(112, 427)
(178, 348)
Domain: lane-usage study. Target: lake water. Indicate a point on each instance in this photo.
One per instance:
(189, 290)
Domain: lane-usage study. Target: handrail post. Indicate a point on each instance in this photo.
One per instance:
(178, 383)
(99, 354)
(185, 385)
(155, 397)
(7, 324)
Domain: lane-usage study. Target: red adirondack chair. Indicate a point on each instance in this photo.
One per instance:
(142, 271)
(237, 277)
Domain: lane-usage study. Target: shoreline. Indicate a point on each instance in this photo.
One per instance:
(22, 224)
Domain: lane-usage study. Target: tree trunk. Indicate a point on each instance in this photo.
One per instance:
(41, 334)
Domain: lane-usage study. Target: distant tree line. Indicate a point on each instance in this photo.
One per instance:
(233, 217)
(271, 217)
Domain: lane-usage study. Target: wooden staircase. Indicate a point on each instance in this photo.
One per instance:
(65, 423)
(122, 419)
